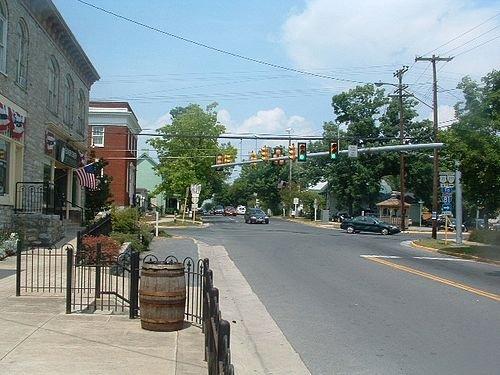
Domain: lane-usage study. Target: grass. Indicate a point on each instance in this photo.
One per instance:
(486, 252)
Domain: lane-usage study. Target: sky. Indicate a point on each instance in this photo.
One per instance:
(349, 41)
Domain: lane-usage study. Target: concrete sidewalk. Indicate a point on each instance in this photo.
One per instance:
(37, 337)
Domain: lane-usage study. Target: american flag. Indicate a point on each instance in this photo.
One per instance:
(86, 176)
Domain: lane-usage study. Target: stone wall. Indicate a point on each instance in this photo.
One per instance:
(39, 229)
(5, 217)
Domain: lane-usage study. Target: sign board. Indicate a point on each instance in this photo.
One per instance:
(67, 154)
(447, 179)
(315, 203)
(447, 189)
(195, 190)
(352, 151)
(295, 200)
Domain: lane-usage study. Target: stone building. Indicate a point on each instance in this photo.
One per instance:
(45, 78)
(113, 129)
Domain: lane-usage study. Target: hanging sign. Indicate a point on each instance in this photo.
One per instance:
(12, 122)
(67, 154)
(50, 143)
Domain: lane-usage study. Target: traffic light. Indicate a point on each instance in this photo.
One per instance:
(292, 152)
(302, 146)
(228, 159)
(264, 153)
(334, 150)
(253, 157)
(219, 159)
(278, 152)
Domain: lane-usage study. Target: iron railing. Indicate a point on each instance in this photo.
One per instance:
(102, 226)
(217, 330)
(35, 197)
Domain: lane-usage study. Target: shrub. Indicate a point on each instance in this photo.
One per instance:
(485, 236)
(125, 220)
(110, 249)
(133, 238)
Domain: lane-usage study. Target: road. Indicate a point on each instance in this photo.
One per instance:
(367, 303)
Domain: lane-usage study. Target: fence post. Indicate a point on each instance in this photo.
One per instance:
(134, 284)
(98, 271)
(223, 343)
(69, 277)
(18, 266)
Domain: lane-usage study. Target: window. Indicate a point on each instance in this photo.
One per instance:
(68, 101)
(98, 136)
(22, 54)
(80, 117)
(4, 167)
(53, 84)
(3, 37)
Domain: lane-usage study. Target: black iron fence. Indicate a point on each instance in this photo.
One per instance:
(100, 283)
(217, 330)
(41, 270)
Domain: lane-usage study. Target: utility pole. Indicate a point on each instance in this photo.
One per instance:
(399, 74)
(290, 160)
(435, 182)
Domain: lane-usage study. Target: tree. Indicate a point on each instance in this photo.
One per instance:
(474, 142)
(100, 199)
(187, 148)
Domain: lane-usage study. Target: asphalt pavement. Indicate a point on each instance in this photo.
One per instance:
(366, 303)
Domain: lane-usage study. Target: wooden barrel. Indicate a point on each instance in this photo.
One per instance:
(162, 296)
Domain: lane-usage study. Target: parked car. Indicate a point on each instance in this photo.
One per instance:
(240, 210)
(256, 215)
(452, 225)
(368, 224)
(218, 210)
(341, 216)
(230, 211)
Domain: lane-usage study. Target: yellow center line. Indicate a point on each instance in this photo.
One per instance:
(452, 283)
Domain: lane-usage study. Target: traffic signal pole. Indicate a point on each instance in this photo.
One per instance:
(364, 150)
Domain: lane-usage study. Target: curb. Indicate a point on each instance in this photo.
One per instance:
(457, 255)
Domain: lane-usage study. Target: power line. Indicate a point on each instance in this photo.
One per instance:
(479, 45)
(464, 33)
(471, 40)
(215, 49)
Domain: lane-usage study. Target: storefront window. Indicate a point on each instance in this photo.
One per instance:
(4, 167)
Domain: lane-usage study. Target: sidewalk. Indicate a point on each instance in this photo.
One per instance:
(39, 338)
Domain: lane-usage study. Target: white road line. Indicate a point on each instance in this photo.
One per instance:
(381, 256)
(440, 258)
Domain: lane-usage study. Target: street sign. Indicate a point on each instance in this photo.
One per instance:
(352, 151)
(447, 189)
(295, 200)
(447, 199)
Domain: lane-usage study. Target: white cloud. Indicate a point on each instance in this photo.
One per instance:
(446, 115)
(344, 34)
(273, 121)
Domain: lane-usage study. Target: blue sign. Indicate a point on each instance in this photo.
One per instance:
(447, 199)
(446, 207)
(447, 189)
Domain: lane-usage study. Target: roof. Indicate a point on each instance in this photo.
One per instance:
(320, 186)
(392, 202)
(46, 13)
(145, 156)
(113, 113)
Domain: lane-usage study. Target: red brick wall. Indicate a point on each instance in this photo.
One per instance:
(115, 152)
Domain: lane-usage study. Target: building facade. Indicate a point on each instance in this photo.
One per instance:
(113, 130)
(45, 78)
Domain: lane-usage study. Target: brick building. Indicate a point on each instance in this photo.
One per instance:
(45, 78)
(113, 129)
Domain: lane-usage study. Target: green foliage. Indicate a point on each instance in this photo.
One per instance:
(474, 142)
(125, 220)
(185, 158)
(100, 199)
